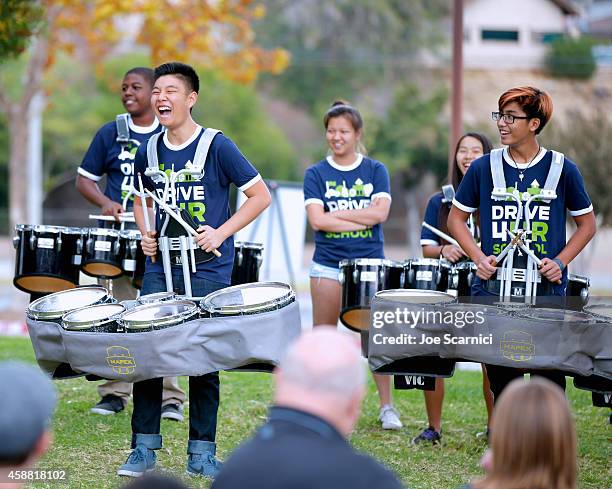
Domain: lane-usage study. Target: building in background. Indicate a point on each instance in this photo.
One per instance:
(514, 33)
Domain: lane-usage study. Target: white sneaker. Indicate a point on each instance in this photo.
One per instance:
(389, 418)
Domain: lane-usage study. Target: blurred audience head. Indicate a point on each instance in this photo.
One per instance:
(322, 374)
(28, 401)
(533, 439)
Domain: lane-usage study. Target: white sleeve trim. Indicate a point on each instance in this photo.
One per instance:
(582, 212)
(250, 183)
(86, 174)
(425, 242)
(381, 195)
(464, 208)
(307, 202)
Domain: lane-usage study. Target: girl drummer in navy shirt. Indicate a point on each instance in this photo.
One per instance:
(347, 198)
(470, 146)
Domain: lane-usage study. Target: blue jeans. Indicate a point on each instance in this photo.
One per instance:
(203, 390)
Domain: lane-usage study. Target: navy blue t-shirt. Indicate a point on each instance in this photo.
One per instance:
(547, 219)
(106, 156)
(207, 201)
(338, 187)
(432, 217)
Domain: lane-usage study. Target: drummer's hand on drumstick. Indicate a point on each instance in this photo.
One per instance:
(551, 271)
(112, 208)
(149, 243)
(452, 253)
(486, 267)
(209, 238)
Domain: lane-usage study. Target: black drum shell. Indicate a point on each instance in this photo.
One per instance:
(247, 261)
(107, 327)
(357, 294)
(463, 274)
(45, 270)
(440, 274)
(102, 254)
(131, 249)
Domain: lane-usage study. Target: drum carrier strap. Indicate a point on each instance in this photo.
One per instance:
(531, 274)
(123, 128)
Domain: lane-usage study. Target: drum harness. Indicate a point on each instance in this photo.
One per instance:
(184, 244)
(520, 237)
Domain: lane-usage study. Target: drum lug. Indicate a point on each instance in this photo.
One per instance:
(584, 295)
(79, 246)
(32, 242)
(16, 240)
(341, 277)
(116, 247)
(58, 242)
(89, 245)
(240, 257)
(356, 276)
(134, 247)
(259, 260)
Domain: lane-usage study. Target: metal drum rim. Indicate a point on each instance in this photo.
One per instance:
(103, 232)
(37, 315)
(531, 314)
(167, 321)
(579, 278)
(371, 261)
(142, 301)
(284, 299)
(589, 310)
(130, 233)
(428, 261)
(398, 292)
(252, 245)
(71, 325)
(48, 228)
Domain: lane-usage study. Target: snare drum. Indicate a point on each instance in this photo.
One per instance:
(101, 318)
(158, 315)
(48, 258)
(600, 312)
(52, 307)
(156, 297)
(132, 257)
(461, 277)
(427, 274)
(361, 278)
(247, 260)
(577, 291)
(247, 299)
(102, 253)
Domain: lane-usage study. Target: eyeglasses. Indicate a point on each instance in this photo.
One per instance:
(508, 118)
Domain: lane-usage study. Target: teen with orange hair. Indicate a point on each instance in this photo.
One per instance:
(524, 168)
(533, 439)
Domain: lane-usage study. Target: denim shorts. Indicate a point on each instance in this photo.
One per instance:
(321, 271)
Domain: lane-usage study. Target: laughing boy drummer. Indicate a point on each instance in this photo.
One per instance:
(175, 92)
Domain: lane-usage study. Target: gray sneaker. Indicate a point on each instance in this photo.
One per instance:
(109, 404)
(173, 412)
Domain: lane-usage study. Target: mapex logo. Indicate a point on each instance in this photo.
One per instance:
(517, 346)
(120, 360)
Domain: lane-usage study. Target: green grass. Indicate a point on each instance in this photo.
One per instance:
(90, 448)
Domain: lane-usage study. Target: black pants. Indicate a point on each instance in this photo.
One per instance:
(500, 377)
(203, 406)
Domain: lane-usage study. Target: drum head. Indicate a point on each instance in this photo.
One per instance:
(54, 306)
(91, 316)
(560, 315)
(416, 296)
(248, 299)
(158, 315)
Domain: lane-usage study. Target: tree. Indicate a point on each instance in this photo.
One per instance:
(338, 48)
(216, 34)
(571, 58)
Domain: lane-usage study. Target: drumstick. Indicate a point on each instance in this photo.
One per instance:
(440, 234)
(145, 213)
(178, 219)
(519, 240)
